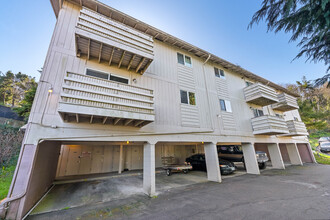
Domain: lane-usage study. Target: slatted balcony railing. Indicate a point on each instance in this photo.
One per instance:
(296, 128)
(269, 125)
(260, 94)
(94, 100)
(286, 103)
(108, 41)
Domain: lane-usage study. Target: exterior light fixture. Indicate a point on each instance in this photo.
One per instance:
(202, 142)
(50, 90)
(127, 142)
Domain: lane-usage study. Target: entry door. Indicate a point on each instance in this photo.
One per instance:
(137, 158)
(97, 159)
(85, 160)
(73, 163)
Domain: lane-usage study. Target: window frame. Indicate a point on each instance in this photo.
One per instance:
(188, 97)
(255, 110)
(218, 71)
(227, 105)
(109, 74)
(184, 59)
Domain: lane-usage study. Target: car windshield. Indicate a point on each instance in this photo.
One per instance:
(325, 144)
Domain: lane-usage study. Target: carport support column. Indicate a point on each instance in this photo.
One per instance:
(294, 154)
(120, 169)
(250, 158)
(212, 162)
(149, 179)
(276, 156)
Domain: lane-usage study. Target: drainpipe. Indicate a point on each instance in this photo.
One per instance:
(207, 92)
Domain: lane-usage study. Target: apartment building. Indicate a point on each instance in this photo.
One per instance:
(117, 94)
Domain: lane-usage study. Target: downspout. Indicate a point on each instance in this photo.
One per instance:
(207, 92)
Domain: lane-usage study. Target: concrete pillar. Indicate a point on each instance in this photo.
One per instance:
(294, 154)
(149, 178)
(275, 155)
(120, 169)
(250, 158)
(311, 152)
(212, 162)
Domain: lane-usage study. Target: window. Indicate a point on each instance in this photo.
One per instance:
(97, 74)
(219, 73)
(184, 60)
(225, 105)
(257, 112)
(107, 76)
(187, 97)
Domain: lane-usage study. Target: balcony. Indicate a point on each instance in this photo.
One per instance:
(101, 38)
(296, 128)
(87, 99)
(286, 103)
(260, 94)
(269, 125)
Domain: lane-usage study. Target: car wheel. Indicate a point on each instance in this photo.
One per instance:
(262, 165)
(168, 172)
(185, 171)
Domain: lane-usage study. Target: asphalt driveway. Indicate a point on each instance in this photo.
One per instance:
(295, 193)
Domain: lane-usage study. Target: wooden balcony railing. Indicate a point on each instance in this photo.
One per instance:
(286, 103)
(269, 125)
(94, 100)
(260, 94)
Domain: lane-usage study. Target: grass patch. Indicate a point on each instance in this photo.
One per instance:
(322, 158)
(6, 175)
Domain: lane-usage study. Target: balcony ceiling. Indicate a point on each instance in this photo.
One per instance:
(90, 48)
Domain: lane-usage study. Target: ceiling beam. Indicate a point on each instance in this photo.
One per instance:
(140, 64)
(104, 120)
(156, 35)
(91, 121)
(136, 124)
(131, 61)
(116, 121)
(111, 55)
(146, 67)
(128, 121)
(77, 118)
(121, 59)
(100, 52)
(80, 1)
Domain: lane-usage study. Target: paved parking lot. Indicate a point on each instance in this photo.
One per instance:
(295, 193)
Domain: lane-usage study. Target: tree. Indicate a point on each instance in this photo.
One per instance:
(307, 20)
(26, 104)
(13, 87)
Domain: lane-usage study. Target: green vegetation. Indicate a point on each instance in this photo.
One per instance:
(322, 158)
(17, 91)
(307, 21)
(6, 175)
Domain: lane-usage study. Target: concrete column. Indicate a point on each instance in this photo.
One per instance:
(250, 158)
(294, 154)
(212, 162)
(120, 169)
(149, 178)
(311, 152)
(275, 155)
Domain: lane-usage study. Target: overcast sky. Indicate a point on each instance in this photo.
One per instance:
(218, 26)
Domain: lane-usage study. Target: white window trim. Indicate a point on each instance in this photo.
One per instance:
(184, 59)
(224, 74)
(227, 105)
(188, 97)
(101, 71)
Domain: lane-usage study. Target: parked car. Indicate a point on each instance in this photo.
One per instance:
(198, 163)
(234, 153)
(325, 147)
(324, 139)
